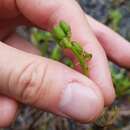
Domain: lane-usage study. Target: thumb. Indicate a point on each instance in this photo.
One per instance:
(48, 85)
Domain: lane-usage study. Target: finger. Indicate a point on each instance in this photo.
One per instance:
(7, 27)
(18, 42)
(31, 79)
(116, 47)
(8, 111)
(8, 9)
(9, 107)
(49, 13)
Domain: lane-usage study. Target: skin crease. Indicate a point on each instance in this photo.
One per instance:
(52, 12)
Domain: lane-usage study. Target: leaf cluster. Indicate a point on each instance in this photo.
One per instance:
(62, 34)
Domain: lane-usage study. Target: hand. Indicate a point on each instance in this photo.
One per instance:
(49, 85)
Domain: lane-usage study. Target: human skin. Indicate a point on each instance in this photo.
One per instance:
(28, 78)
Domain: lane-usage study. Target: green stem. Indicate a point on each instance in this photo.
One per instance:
(83, 65)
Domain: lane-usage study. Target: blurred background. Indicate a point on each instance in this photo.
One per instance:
(115, 14)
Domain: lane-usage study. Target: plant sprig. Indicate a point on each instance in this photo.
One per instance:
(62, 35)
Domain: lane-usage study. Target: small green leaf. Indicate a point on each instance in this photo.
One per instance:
(69, 63)
(66, 28)
(87, 56)
(77, 46)
(65, 43)
(56, 53)
(58, 33)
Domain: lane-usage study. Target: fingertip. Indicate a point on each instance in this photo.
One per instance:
(8, 111)
(18, 42)
(83, 103)
(109, 96)
(123, 58)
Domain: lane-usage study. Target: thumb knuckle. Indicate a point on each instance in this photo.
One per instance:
(31, 83)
